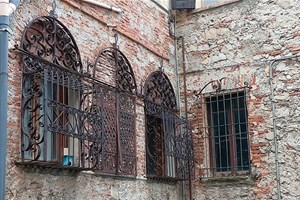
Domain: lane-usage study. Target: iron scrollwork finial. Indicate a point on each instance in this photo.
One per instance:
(116, 36)
(52, 12)
(161, 65)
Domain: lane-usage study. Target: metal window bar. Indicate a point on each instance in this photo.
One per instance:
(224, 131)
(69, 114)
(170, 149)
(169, 143)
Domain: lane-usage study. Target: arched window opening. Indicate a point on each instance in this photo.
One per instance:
(116, 90)
(169, 143)
(72, 116)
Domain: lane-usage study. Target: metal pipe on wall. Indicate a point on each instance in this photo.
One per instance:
(181, 185)
(277, 170)
(185, 104)
(103, 5)
(7, 8)
(274, 131)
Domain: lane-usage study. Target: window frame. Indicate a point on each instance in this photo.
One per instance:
(229, 126)
(217, 90)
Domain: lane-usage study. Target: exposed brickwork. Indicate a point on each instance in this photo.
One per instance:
(144, 39)
(238, 40)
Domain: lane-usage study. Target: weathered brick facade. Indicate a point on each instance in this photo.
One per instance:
(143, 36)
(244, 40)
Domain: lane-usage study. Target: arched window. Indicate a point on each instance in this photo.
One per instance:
(169, 144)
(116, 96)
(73, 115)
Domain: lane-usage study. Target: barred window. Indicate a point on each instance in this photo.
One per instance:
(224, 129)
(75, 116)
(169, 143)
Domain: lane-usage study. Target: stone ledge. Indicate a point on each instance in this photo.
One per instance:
(129, 178)
(35, 167)
(227, 181)
(107, 175)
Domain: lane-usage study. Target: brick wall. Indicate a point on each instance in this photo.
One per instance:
(143, 36)
(238, 40)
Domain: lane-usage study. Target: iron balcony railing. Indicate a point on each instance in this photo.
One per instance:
(75, 116)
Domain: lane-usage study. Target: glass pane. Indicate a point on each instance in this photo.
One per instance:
(221, 139)
(241, 131)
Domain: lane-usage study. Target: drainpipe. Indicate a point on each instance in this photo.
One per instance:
(7, 7)
(185, 105)
(275, 131)
(277, 170)
(102, 5)
(181, 185)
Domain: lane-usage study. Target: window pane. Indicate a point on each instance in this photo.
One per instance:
(221, 139)
(242, 149)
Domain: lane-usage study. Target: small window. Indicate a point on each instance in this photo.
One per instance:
(227, 124)
(224, 129)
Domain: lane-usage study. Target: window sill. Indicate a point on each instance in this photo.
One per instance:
(166, 180)
(59, 170)
(228, 181)
(216, 5)
(106, 175)
(48, 168)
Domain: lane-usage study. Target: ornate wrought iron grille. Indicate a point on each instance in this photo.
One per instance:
(75, 116)
(223, 126)
(169, 142)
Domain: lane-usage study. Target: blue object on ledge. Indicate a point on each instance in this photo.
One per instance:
(68, 160)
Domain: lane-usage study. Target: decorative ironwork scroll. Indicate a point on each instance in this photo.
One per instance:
(73, 115)
(127, 149)
(115, 70)
(48, 39)
(168, 139)
(159, 90)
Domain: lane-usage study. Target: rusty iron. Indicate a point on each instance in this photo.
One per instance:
(169, 142)
(73, 115)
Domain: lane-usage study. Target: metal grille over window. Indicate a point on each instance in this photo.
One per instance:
(223, 129)
(169, 142)
(75, 116)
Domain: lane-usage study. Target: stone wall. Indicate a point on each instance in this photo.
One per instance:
(143, 36)
(240, 41)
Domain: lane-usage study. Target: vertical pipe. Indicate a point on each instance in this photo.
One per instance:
(275, 132)
(176, 67)
(185, 106)
(181, 192)
(7, 7)
(4, 22)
